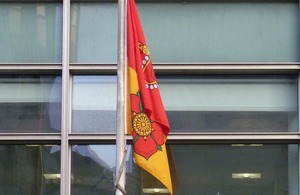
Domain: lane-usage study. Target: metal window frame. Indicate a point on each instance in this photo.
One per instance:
(67, 69)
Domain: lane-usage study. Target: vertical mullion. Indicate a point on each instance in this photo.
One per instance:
(65, 147)
(298, 119)
(298, 109)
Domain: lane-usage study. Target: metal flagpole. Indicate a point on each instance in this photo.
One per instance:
(121, 101)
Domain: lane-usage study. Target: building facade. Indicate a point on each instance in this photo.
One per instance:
(228, 73)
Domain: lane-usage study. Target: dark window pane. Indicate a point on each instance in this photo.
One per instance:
(30, 103)
(92, 169)
(230, 121)
(236, 169)
(231, 102)
(29, 169)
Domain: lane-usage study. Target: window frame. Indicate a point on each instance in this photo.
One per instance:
(66, 139)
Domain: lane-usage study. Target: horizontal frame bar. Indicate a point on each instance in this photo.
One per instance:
(161, 68)
(30, 68)
(29, 138)
(235, 138)
(196, 68)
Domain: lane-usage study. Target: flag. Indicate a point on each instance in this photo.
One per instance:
(148, 121)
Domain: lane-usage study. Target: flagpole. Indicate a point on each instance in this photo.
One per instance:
(121, 101)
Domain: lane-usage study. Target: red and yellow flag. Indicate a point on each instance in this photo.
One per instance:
(148, 121)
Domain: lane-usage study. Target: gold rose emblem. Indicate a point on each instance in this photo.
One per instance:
(142, 124)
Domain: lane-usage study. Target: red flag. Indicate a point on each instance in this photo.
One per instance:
(149, 124)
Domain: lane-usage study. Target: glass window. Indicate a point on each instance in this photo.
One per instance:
(236, 169)
(231, 102)
(92, 169)
(30, 169)
(94, 103)
(30, 103)
(30, 32)
(94, 29)
(222, 31)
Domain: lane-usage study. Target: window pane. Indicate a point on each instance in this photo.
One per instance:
(30, 169)
(94, 32)
(231, 102)
(94, 103)
(30, 103)
(93, 167)
(222, 31)
(247, 169)
(30, 32)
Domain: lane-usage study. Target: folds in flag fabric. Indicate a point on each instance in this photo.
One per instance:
(147, 118)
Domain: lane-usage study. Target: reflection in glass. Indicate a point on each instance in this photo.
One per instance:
(231, 102)
(94, 103)
(246, 169)
(92, 169)
(94, 32)
(29, 169)
(30, 103)
(222, 31)
(30, 32)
